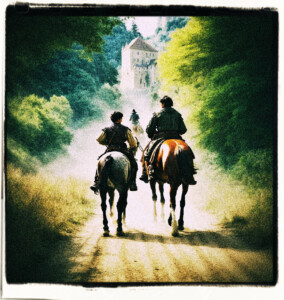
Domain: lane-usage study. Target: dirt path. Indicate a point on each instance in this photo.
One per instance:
(149, 254)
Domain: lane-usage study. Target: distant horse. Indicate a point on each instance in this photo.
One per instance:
(137, 129)
(114, 170)
(173, 166)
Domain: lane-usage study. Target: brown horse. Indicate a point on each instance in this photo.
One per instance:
(174, 165)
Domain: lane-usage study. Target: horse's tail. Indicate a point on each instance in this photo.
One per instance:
(105, 172)
(185, 163)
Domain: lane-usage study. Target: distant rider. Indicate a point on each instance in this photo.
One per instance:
(166, 124)
(134, 118)
(115, 138)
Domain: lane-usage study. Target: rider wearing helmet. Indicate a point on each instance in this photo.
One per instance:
(115, 138)
(166, 124)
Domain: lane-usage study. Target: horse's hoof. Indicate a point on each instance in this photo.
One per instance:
(120, 233)
(106, 233)
(175, 234)
(181, 228)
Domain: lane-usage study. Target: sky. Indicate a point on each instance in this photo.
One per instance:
(146, 25)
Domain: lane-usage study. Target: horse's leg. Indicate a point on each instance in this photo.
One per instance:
(111, 200)
(161, 189)
(172, 219)
(124, 214)
(154, 197)
(103, 195)
(153, 188)
(182, 205)
(121, 207)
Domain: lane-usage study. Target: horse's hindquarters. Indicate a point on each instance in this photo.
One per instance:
(119, 173)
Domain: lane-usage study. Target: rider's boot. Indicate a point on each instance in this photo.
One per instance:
(192, 181)
(144, 176)
(191, 178)
(96, 186)
(132, 185)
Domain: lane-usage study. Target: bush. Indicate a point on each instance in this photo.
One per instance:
(38, 126)
(40, 211)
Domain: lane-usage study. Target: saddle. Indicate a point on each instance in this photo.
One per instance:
(160, 137)
(118, 148)
(156, 147)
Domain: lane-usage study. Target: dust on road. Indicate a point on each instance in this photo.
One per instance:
(203, 252)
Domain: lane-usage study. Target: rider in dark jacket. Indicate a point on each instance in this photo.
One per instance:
(134, 118)
(166, 124)
(115, 138)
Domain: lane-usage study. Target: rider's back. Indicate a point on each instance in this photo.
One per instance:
(168, 119)
(116, 134)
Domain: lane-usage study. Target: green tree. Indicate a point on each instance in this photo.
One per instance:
(227, 62)
(176, 22)
(32, 40)
(134, 30)
(38, 127)
(76, 78)
(113, 43)
(163, 35)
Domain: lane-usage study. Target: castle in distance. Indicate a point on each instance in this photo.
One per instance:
(138, 65)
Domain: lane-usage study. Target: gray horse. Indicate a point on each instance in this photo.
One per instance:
(114, 170)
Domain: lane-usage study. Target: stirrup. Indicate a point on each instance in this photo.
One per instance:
(144, 178)
(151, 172)
(192, 181)
(95, 188)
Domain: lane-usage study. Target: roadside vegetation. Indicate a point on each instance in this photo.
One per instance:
(221, 71)
(62, 73)
(58, 79)
(40, 212)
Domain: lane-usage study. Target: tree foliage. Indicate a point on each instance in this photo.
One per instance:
(163, 34)
(135, 31)
(32, 40)
(113, 43)
(48, 56)
(38, 127)
(175, 23)
(76, 78)
(227, 63)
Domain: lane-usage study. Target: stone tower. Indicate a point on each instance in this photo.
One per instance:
(138, 65)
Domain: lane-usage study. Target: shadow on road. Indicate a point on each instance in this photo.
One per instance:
(216, 239)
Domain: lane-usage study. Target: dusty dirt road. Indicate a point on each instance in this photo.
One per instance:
(148, 253)
(202, 253)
